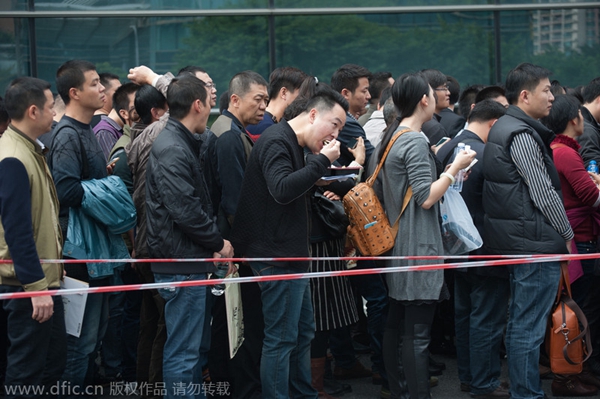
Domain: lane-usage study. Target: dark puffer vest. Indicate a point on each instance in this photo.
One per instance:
(513, 224)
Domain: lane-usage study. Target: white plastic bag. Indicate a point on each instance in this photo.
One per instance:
(459, 234)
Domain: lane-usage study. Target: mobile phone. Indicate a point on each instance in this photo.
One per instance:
(112, 162)
(468, 168)
(442, 141)
(352, 143)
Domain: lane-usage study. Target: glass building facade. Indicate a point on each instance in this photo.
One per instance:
(476, 41)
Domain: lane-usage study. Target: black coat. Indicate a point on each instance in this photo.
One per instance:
(178, 208)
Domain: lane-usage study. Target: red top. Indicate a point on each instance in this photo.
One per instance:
(578, 189)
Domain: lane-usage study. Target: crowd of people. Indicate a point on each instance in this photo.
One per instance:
(251, 185)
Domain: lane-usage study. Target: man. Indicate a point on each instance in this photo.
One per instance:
(152, 324)
(352, 82)
(452, 122)
(433, 129)
(110, 128)
(590, 139)
(111, 83)
(590, 150)
(30, 231)
(480, 294)
(377, 84)
(229, 148)
(376, 126)
(284, 87)
(524, 215)
(272, 219)
(75, 155)
(180, 225)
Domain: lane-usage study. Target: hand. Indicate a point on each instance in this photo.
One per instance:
(332, 150)
(331, 195)
(141, 75)
(43, 308)
(227, 251)
(359, 152)
(569, 246)
(464, 158)
(595, 177)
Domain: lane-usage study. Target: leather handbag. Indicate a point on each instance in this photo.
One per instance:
(568, 341)
(369, 230)
(330, 213)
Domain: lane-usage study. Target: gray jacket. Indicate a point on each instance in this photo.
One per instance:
(409, 162)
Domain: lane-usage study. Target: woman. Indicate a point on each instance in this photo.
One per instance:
(413, 295)
(581, 198)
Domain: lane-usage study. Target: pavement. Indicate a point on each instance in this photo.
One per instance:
(448, 386)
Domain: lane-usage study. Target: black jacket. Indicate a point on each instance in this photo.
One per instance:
(273, 214)
(451, 122)
(590, 139)
(513, 224)
(178, 209)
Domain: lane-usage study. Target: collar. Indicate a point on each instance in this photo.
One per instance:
(38, 147)
(112, 123)
(567, 141)
(588, 117)
(194, 139)
(546, 134)
(234, 119)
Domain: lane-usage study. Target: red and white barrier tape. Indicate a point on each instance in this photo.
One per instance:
(499, 260)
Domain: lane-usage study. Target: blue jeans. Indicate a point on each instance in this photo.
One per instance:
(289, 329)
(187, 319)
(79, 349)
(480, 305)
(533, 288)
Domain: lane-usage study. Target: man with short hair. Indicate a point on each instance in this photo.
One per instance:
(152, 323)
(272, 220)
(352, 82)
(590, 139)
(524, 215)
(74, 156)
(229, 148)
(452, 122)
(433, 129)
(29, 232)
(110, 128)
(376, 126)
(480, 294)
(180, 225)
(284, 87)
(377, 84)
(111, 83)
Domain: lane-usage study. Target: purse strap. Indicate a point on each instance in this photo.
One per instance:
(371, 180)
(564, 282)
(585, 331)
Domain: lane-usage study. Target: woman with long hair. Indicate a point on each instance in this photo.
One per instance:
(413, 295)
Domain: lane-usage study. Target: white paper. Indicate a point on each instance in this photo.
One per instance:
(74, 305)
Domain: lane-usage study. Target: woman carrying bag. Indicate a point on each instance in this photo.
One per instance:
(581, 197)
(414, 295)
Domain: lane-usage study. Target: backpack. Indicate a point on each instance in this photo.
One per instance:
(369, 229)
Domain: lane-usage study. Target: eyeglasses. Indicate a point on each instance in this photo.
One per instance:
(210, 86)
(445, 88)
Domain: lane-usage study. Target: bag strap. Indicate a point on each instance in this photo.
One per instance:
(407, 198)
(373, 177)
(564, 282)
(585, 331)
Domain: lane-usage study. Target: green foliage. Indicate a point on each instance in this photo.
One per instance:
(457, 45)
(107, 67)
